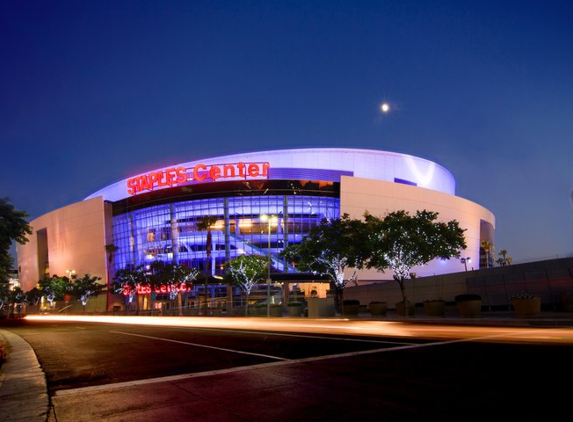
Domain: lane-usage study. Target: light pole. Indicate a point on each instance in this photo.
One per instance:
(67, 295)
(466, 261)
(268, 219)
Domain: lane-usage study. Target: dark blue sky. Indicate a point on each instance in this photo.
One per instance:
(92, 92)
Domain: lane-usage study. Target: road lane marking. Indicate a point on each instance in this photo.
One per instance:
(182, 377)
(281, 362)
(281, 334)
(201, 345)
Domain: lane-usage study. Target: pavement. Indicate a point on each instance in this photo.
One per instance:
(24, 393)
(23, 388)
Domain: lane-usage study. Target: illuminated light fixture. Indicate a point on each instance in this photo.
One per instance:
(247, 222)
(466, 261)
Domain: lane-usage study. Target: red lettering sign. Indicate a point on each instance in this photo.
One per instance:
(161, 178)
(162, 289)
(200, 173)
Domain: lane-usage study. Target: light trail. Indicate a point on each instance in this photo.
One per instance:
(370, 328)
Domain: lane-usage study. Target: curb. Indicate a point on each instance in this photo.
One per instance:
(23, 387)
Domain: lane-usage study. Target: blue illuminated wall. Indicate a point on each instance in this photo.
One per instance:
(170, 232)
(161, 223)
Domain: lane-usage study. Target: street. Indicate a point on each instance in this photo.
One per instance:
(459, 373)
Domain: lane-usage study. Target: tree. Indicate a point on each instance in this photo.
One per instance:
(13, 227)
(111, 249)
(401, 241)
(86, 287)
(172, 279)
(245, 271)
(127, 282)
(184, 276)
(487, 247)
(503, 259)
(331, 248)
(54, 288)
(205, 224)
(4, 297)
(33, 297)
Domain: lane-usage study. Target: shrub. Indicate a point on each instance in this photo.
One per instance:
(523, 295)
(467, 296)
(350, 302)
(294, 303)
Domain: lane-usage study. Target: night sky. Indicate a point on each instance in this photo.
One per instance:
(92, 92)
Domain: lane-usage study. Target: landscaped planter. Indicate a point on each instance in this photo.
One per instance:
(469, 305)
(434, 307)
(378, 308)
(526, 307)
(350, 307)
(276, 311)
(294, 309)
(405, 310)
(320, 308)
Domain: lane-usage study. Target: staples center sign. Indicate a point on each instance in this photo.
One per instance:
(199, 173)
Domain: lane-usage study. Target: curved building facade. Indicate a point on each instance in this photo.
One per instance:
(161, 214)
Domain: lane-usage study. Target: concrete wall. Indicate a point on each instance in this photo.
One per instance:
(379, 198)
(551, 280)
(76, 236)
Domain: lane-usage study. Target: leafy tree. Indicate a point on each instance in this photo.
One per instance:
(86, 287)
(33, 297)
(17, 296)
(331, 248)
(184, 275)
(245, 271)
(10, 297)
(13, 227)
(54, 288)
(173, 278)
(401, 241)
(4, 297)
(127, 282)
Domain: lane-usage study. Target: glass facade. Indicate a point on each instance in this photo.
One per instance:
(171, 232)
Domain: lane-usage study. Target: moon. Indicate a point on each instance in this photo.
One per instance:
(385, 107)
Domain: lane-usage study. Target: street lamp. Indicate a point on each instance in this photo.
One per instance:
(466, 261)
(67, 295)
(268, 219)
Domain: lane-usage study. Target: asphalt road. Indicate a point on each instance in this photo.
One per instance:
(257, 375)
(76, 354)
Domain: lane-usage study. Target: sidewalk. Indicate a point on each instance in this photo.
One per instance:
(24, 394)
(23, 388)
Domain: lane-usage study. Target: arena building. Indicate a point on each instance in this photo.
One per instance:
(157, 215)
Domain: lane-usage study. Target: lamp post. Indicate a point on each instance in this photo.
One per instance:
(67, 295)
(268, 219)
(466, 261)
